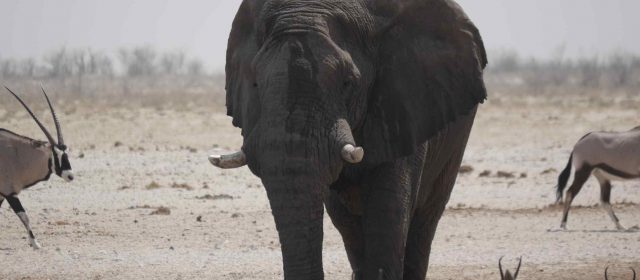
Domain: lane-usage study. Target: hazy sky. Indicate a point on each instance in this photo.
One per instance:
(200, 27)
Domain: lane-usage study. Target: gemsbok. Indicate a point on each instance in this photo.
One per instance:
(508, 275)
(25, 162)
(609, 156)
(606, 273)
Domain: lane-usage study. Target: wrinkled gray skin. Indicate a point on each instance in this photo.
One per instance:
(402, 79)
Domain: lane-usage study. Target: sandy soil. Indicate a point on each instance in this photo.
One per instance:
(131, 161)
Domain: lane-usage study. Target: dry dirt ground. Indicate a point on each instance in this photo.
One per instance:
(130, 161)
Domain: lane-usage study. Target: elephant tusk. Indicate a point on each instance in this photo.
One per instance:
(230, 161)
(352, 154)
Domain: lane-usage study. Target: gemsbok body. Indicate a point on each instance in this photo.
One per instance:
(25, 162)
(507, 275)
(606, 273)
(609, 156)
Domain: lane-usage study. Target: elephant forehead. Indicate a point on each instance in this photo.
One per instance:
(296, 22)
(312, 15)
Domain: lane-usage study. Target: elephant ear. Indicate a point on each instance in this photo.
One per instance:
(242, 48)
(430, 67)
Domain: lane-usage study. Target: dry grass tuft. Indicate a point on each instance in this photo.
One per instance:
(505, 174)
(215, 197)
(465, 169)
(153, 186)
(163, 211)
(182, 186)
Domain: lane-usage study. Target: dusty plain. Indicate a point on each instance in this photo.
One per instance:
(146, 204)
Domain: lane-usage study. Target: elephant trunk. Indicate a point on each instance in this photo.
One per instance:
(298, 155)
(297, 207)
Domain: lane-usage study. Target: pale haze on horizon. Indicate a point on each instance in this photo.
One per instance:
(533, 28)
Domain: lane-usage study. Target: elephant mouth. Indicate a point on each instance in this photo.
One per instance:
(342, 140)
(349, 153)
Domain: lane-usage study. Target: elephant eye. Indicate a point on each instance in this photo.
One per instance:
(255, 85)
(347, 85)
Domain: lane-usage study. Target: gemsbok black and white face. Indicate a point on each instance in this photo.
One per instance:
(61, 163)
(60, 157)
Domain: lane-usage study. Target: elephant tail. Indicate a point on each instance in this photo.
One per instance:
(563, 179)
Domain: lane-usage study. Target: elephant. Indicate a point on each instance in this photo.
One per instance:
(362, 107)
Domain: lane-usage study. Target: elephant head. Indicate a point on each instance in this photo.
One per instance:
(320, 85)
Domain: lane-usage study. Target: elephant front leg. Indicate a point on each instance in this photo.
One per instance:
(350, 228)
(387, 203)
(433, 201)
(15, 204)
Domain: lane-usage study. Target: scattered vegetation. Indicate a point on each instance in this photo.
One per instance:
(465, 169)
(215, 197)
(614, 72)
(134, 73)
(164, 211)
(153, 186)
(129, 76)
(505, 174)
(182, 186)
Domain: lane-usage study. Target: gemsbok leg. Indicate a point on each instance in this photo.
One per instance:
(605, 198)
(581, 175)
(19, 210)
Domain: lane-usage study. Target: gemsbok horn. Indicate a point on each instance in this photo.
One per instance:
(25, 162)
(508, 275)
(606, 273)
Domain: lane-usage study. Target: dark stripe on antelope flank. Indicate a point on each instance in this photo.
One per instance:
(608, 169)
